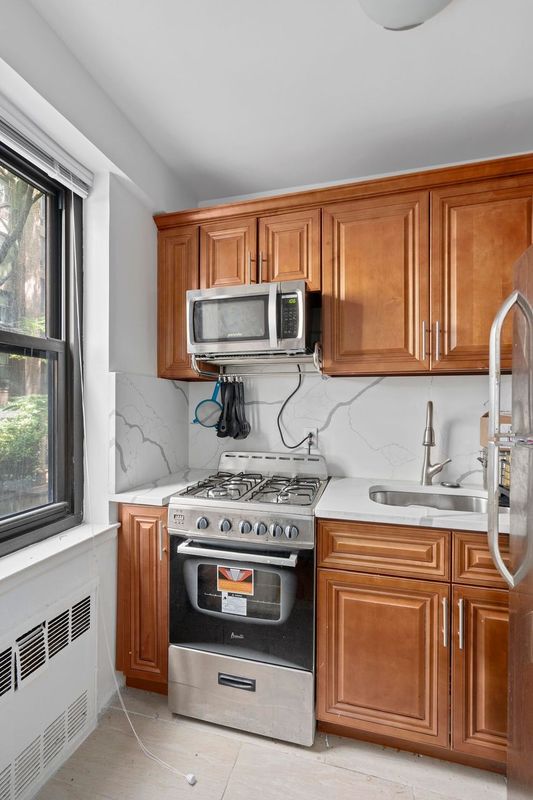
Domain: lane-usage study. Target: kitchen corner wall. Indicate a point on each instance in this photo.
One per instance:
(367, 427)
(149, 429)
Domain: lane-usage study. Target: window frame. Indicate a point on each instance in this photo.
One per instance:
(64, 292)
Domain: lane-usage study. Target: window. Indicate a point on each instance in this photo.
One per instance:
(41, 473)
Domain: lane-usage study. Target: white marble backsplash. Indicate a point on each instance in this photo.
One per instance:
(367, 427)
(149, 429)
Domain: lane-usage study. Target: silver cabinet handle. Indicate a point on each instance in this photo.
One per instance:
(494, 437)
(445, 621)
(262, 258)
(437, 340)
(461, 630)
(250, 259)
(424, 335)
(188, 547)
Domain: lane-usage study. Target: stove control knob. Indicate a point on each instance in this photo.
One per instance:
(224, 525)
(260, 528)
(245, 526)
(202, 523)
(291, 532)
(276, 530)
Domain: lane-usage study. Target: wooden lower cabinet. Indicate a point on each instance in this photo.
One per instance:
(479, 675)
(417, 660)
(142, 609)
(383, 665)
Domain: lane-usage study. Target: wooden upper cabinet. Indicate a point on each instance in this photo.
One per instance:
(479, 675)
(142, 616)
(382, 662)
(375, 285)
(228, 250)
(289, 246)
(177, 272)
(478, 231)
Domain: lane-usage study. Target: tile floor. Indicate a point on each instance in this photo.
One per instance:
(231, 765)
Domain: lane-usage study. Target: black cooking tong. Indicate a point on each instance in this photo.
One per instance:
(232, 421)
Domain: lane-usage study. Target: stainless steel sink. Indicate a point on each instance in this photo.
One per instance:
(444, 502)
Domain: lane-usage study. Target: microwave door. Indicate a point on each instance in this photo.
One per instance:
(273, 315)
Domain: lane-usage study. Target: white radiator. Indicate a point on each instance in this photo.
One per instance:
(47, 692)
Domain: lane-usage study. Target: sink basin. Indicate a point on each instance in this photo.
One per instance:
(444, 502)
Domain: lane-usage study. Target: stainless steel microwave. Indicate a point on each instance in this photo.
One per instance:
(257, 318)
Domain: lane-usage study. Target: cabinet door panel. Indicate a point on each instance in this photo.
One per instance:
(142, 624)
(382, 664)
(228, 253)
(290, 245)
(478, 231)
(177, 272)
(375, 285)
(479, 678)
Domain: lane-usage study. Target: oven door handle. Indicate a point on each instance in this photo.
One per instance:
(189, 548)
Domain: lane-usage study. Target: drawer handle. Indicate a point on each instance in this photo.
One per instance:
(235, 682)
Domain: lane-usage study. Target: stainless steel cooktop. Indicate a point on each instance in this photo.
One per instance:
(266, 498)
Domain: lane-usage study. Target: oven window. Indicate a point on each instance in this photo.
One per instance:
(264, 603)
(231, 318)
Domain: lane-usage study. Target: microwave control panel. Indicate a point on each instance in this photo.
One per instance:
(289, 316)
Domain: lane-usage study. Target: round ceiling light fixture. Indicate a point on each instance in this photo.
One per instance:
(402, 15)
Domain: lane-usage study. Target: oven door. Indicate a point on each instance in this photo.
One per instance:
(256, 605)
(238, 319)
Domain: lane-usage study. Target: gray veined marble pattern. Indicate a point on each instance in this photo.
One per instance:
(367, 427)
(149, 436)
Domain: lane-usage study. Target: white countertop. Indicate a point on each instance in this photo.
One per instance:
(347, 498)
(159, 492)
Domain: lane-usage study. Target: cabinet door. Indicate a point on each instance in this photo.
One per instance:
(228, 252)
(479, 675)
(478, 232)
(375, 285)
(177, 272)
(289, 246)
(383, 661)
(142, 619)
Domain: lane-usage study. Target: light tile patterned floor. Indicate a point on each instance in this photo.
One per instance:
(231, 765)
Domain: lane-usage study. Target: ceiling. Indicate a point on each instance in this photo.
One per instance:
(245, 96)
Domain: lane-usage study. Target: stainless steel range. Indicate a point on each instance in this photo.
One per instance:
(242, 594)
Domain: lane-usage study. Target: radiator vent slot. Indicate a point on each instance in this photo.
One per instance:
(54, 739)
(77, 716)
(6, 674)
(27, 767)
(81, 617)
(32, 651)
(58, 633)
(5, 784)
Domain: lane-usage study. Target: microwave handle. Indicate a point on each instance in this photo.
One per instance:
(273, 314)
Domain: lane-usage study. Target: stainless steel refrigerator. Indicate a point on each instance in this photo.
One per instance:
(519, 573)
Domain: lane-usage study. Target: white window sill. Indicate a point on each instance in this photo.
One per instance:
(42, 555)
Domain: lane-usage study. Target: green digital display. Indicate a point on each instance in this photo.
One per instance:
(291, 300)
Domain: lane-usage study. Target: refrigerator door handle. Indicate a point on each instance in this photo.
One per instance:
(494, 437)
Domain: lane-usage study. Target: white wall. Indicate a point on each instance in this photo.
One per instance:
(132, 282)
(38, 56)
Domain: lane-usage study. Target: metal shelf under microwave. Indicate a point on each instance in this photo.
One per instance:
(313, 359)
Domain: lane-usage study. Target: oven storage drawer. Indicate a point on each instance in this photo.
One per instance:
(262, 698)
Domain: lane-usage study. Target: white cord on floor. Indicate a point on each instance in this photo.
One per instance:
(189, 776)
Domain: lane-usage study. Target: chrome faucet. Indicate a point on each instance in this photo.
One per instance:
(429, 470)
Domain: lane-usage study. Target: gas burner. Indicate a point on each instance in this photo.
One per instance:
(224, 486)
(289, 491)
